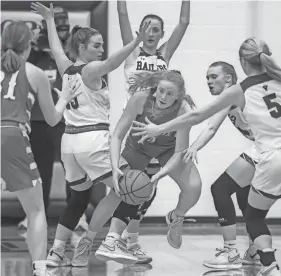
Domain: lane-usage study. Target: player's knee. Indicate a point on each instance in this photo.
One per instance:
(255, 222)
(126, 212)
(76, 207)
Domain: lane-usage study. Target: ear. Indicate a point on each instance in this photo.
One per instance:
(228, 78)
(163, 33)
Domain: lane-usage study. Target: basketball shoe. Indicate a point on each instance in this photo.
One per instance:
(226, 258)
(251, 257)
(82, 252)
(135, 250)
(175, 223)
(57, 258)
(272, 270)
(113, 249)
(234, 272)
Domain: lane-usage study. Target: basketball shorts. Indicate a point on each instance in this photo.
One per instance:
(138, 160)
(267, 178)
(18, 168)
(87, 153)
(251, 155)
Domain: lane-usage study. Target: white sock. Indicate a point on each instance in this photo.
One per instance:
(59, 244)
(112, 235)
(230, 244)
(124, 235)
(268, 250)
(133, 237)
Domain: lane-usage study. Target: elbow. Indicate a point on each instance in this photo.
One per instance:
(212, 130)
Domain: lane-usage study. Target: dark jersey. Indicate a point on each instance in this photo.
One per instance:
(156, 145)
(17, 97)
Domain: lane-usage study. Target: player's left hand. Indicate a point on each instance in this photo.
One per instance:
(147, 130)
(70, 88)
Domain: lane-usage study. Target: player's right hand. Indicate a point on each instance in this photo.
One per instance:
(70, 87)
(144, 30)
(116, 175)
(190, 153)
(46, 13)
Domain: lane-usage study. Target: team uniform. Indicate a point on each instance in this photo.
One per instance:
(263, 113)
(18, 168)
(144, 62)
(85, 143)
(238, 119)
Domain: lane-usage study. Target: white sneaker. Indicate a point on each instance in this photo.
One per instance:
(135, 250)
(57, 258)
(23, 223)
(113, 250)
(226, 258)
(272, 270)
(83, 223)
(39, 268)
(251, 257)
(82, 252)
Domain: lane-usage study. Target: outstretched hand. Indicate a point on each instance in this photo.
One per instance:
(190, 153)
(46, 13)
(143, 31)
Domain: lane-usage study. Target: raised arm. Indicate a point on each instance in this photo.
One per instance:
(231, 96)
(124, 22)
(60, 57)
(101, 68)
(169, 47)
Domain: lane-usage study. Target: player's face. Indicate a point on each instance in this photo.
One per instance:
(154, 33)
(216, 80)
(166, 94)
(94, 50)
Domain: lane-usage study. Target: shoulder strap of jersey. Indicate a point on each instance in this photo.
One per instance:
(72, 70)
(254, 80)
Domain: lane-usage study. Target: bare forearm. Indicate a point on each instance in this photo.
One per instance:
(53, 38)
(203, 139)
(171, 164)
(115, 148)
(185, 12)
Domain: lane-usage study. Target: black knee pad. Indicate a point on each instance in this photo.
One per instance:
(127, 212)
(255, 222)
(76, 206)
(242, 198)
(222, 190)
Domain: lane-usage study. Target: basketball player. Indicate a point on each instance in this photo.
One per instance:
(259, 96)
(21, 83)
(237, 177)
(161, 104)
(85, 145)
(149, 57)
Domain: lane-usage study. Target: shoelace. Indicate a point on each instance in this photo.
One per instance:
(221, 251)
(85, 246)
(138, 250)
(178, 221)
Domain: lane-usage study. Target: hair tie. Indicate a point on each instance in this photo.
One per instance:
(260, 54)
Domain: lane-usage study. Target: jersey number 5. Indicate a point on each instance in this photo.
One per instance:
(12, 84)
(276, 112)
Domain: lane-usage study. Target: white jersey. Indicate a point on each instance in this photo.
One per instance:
(90, 107)
(144, 62)
(238, 119)
(263, 111)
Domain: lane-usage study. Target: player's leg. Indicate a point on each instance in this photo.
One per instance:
(266, 189)
(238, 175)
(21, 175)
(188, 179)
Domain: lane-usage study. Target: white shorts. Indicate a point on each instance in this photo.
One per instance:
(253, 153)
(267, 178)
(88, 154)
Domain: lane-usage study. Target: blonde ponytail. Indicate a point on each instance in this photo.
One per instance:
(272, 69)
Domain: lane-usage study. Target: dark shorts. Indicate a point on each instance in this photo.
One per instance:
(139, 161)
(18, 168)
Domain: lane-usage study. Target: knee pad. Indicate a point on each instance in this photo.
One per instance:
(242, 198)
(76, 206)
(221, 191)
(127, 212)
(255, 222)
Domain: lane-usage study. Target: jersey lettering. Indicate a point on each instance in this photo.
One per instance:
(273, 107)
(12, 84)
(73, 104)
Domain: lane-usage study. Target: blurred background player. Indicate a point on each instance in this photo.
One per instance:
(237, 177)
(259, 96)
(21, 83)
(148, 57)
(45, 140)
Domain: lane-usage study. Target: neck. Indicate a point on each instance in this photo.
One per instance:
(80, 61)
(150, 50)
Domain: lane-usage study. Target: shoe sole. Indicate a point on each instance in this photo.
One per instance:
(232, 266)
(146, 261)
(118, 259)
(79, 265)
(50, 263)
(169, 240)
(244, 262)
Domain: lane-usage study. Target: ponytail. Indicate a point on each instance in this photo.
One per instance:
(11, 61)
(190, 101)
(272, 69)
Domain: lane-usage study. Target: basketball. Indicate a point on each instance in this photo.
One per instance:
(135, 187)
